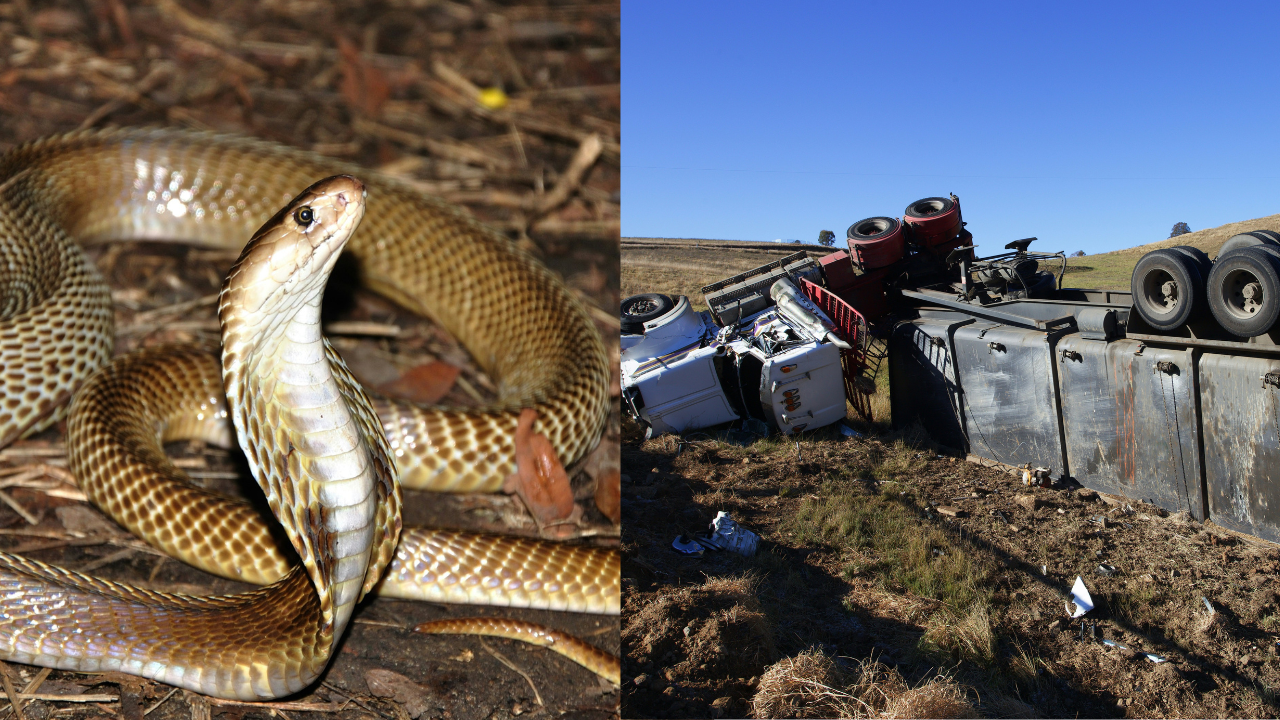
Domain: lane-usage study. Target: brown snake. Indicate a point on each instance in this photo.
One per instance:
(324, 454)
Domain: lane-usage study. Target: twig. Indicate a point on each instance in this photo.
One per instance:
(160, 702)
(330, 707)
(586, 156)
(8, 690)
(175, 308)
(536, 695)
(26, 514)
(49, 697)
(365, 328)
(107, 560)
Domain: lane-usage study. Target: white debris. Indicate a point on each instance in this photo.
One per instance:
(1080, 596)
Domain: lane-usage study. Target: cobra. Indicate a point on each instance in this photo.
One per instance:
(324, 454)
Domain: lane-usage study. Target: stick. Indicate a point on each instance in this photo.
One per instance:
(536, 695)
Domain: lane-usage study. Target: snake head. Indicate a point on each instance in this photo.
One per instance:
(290, 257)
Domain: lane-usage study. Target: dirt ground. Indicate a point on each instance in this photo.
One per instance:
(389, 85)
(700, 632)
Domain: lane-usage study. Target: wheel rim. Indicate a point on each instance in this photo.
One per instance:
(1242, 294)
(1161, 292)
(641, 306)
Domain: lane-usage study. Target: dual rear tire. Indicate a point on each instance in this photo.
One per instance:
(1241, 288)
(1168, 287)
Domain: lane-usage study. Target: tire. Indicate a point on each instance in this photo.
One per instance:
(1249, 239)
(1168, 289)
(1244, 291)
(640, 309)
(928, 208)
(1038, 285)
(873, 228)
(1200, 257)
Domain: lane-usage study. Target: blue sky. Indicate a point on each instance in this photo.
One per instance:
(1093, 126)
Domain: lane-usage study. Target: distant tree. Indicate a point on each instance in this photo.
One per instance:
(1179, 229)
(796, 242)
(827, 238)
(1078, 253)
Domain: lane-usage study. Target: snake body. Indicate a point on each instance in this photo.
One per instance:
(324, 455)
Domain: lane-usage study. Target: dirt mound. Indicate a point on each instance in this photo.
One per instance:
(711, 630)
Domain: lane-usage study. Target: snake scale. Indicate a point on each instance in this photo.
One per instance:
(326, 455)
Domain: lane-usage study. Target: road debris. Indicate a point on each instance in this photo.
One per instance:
(1081, 597)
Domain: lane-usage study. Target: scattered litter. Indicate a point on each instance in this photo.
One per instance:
(1000, 515)
(733, 536)
(687, 631)
(1154, 658)
(1208, 605)
(1037, 477)
(1114, 644)
(1106, 570)
(849, 432)
(1080, 596)
(685, 544)
(950, 511)
(1044, 569)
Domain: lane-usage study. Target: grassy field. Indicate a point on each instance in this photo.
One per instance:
(683, 267)
(1111, 271)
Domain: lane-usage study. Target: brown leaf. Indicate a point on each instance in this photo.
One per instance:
(604, 464)
(424, 383)
(540, 479)
(415, 698)
(609, 495)
(82, 519)
(364, 87)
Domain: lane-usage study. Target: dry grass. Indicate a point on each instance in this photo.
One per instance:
(966, 637)
(813, 685)
(684, 269)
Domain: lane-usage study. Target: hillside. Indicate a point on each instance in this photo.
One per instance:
(684, 266)
(1111, 271)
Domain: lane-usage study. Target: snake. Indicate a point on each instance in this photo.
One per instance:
(329, 458)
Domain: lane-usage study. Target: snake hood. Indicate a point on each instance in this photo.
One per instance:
(288, 261)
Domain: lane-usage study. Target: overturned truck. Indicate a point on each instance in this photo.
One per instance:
(1169, 393)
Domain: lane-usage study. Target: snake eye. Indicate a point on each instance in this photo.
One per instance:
(304, 216)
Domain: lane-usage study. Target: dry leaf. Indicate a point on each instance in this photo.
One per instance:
(540, 479)
(82, 519)
(609, 495)
(415, 698)
(364, 87)
(424, 383)
(604, 464)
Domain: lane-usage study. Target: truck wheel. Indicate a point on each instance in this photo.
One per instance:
(1249, 239)
(1200, 257)
(640, 309)
(1168, 289)
(1244, 291)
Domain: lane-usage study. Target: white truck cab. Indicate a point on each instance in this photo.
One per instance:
(683, 371)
